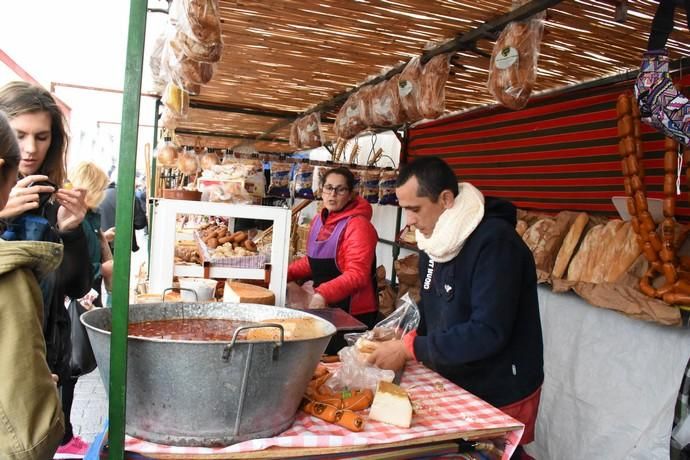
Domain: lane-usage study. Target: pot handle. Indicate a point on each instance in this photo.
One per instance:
(276, 345)
(196, 298)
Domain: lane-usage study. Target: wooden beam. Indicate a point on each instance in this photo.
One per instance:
(465, 41)
(191, 132)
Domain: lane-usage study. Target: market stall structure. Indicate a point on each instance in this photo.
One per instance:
(282, 60)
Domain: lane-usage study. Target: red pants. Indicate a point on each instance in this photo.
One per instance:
(525, 411)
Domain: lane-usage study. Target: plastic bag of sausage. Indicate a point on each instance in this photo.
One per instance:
(513, 68)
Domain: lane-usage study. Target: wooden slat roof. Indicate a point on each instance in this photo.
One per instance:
(287, 56)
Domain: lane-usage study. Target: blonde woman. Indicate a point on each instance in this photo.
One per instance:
(90, 177)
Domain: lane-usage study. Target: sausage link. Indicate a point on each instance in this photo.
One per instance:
(649, 253)
(640, 201)
(627, 185)
(655, 241)
(637, 184)
(669, 272)
(669, 185)
(623, 105)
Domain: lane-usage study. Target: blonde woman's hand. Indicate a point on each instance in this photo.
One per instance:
(72, 208)
(24, 196)
(109, 234)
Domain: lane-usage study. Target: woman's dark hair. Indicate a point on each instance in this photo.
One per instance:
(433, 174)
(9, 149)
(343, 171)
(19, 98)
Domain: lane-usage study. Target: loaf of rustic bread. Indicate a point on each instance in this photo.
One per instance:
(606, 253)
(572, 238)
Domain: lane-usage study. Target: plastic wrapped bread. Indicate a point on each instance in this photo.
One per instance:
(349, 121)
(386, 108)
(513, 68)
(408, 89)
(432, 96)
(185, 72)
(198, 26)
(309, 131)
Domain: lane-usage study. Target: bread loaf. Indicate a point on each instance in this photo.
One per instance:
(386, 109)
(294, 329)
(623, 255)
(598, 263)
(432, 95)
(565, 253)
(238, 292)
(581, 259)
(513, 68)
(521, 227)
(408, 89)
(349, 121)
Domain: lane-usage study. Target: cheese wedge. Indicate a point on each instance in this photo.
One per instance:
(391, 405)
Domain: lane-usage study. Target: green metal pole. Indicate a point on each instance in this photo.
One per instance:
(123, 225)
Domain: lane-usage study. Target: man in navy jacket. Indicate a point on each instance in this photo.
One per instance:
(480, 325)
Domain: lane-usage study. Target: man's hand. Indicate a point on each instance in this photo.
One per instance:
(317, 301)
(24, 196)
(72, 208)
(391, 354)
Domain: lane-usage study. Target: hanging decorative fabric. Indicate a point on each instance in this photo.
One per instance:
(661, 104)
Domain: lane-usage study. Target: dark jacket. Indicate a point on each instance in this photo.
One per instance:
(91, 225)
(107, 210)
(480, 323)
(73, 279)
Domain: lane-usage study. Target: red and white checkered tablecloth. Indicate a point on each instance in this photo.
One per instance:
(441, 408)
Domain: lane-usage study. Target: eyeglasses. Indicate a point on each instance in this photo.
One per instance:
(337, 190)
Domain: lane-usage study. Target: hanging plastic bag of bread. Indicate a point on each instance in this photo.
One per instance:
(387, 183)
(432, 95)
(280, 179)
(349, 122)
(294, 135)
(169, 119)
(188, 162)
(159, 81)
(304, 178)
(309, 131)
(166, 152)
(409, 89)
(513, 68)
(183, 71)
(198, 29)
(317, 180)
(208, 159)
(386, 108)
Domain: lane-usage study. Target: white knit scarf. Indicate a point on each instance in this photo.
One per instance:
(454, 225)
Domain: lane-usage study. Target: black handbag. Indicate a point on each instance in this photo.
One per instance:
(82, 360)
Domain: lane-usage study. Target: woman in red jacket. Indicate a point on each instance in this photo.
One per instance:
(341, 252)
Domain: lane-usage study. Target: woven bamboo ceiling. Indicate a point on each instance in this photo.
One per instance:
(284, 57)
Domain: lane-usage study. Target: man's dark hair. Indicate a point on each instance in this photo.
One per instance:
(433, 174)
(343, 171)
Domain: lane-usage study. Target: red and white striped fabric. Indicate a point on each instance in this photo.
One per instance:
(441, 408)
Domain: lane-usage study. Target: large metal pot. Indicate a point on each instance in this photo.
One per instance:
(189, 393)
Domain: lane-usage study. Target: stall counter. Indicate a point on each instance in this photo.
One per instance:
(443, 412)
